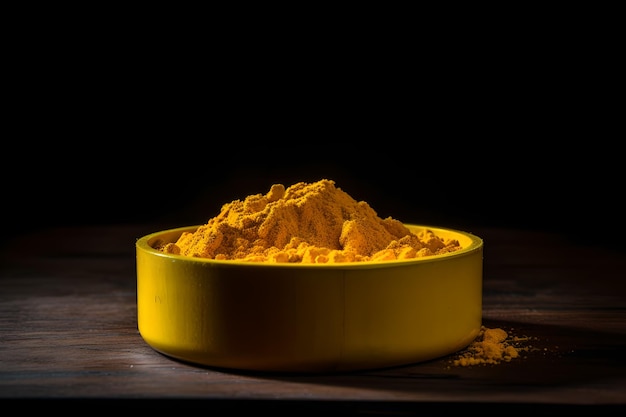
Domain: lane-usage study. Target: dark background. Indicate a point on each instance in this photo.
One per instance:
(473, 132)
(460, 182)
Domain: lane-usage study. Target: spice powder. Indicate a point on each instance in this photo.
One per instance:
(306, 223)
(492, 346)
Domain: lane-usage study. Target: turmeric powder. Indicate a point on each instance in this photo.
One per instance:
(491, 347)
(306, 223)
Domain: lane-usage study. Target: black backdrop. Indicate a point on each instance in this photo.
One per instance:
(473, 134)
(459, 182)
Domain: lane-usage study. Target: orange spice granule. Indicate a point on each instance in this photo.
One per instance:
(306, 223)
(491, 347)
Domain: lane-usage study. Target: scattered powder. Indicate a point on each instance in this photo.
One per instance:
(306, 223)
(491, 347)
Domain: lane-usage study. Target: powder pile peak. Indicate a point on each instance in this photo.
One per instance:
(306, 223)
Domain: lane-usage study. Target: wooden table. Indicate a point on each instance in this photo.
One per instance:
(69, 336)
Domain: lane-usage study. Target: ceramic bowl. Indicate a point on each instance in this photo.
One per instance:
(309, 317)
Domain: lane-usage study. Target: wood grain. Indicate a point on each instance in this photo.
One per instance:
(68, 332)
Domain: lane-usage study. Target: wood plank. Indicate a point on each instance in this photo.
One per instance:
(68, 328)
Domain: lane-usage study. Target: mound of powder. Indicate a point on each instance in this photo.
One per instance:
(491, 347)
(306, 223)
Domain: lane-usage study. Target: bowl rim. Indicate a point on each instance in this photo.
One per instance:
(145, 242)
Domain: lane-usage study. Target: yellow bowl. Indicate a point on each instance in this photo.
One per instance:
(309, 317)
